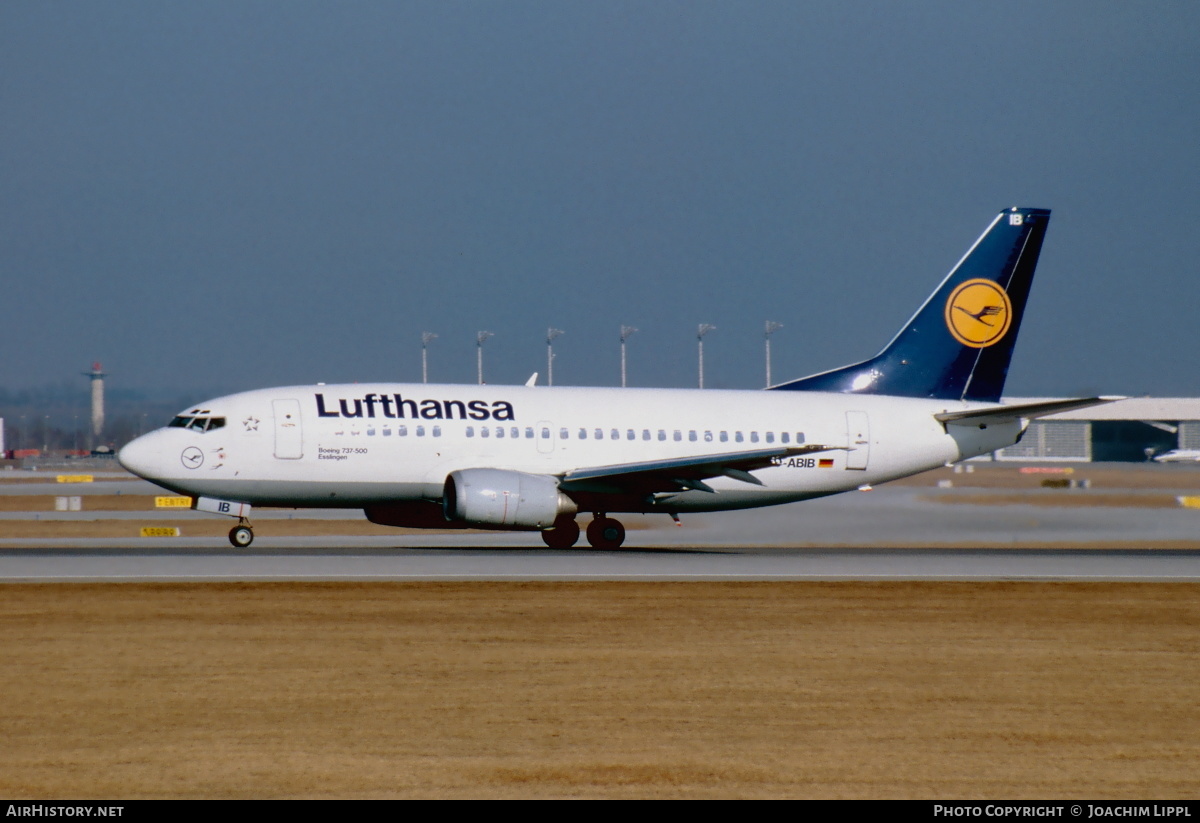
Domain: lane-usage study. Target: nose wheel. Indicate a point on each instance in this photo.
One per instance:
(241, 536)
(605, 533)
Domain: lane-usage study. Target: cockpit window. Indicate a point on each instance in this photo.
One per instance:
(200, 424)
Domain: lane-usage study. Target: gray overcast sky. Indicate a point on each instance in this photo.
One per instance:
(229, 195)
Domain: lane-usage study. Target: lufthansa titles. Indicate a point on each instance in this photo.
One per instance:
(397, 407)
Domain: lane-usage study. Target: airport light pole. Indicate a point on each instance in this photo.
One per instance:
(770, 327)
(701, 330)
(426, 338)
(626, 332)
(479, 338)
(551, 333)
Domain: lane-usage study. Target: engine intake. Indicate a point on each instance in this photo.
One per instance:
(495, 497)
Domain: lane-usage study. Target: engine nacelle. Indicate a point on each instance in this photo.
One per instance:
(494, 497)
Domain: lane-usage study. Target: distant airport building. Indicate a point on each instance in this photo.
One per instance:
(1125, 431)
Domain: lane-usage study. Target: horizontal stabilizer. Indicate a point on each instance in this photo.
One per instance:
(998, 414)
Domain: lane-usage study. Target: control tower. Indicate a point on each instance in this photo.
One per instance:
(97, 375)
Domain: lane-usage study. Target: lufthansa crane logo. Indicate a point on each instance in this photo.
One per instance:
(978, 313)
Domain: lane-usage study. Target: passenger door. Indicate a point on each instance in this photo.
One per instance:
(289, 434)
(858, 440)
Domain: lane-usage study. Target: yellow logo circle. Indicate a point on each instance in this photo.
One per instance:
(978, 313)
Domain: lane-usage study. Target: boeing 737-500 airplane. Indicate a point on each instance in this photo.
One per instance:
(532, 458)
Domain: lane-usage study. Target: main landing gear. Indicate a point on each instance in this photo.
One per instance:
(563, 535)
(241, 535)
(602, 533)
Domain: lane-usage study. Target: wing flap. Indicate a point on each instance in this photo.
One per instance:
(681, 473)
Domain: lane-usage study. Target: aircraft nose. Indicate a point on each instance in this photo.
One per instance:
(140, 456)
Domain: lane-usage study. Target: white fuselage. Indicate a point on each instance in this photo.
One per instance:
(1178, 456)
(362, 444)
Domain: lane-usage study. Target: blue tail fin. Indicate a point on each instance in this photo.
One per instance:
(959, 344)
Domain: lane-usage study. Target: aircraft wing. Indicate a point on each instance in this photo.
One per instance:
(998, 414)
(682, 473)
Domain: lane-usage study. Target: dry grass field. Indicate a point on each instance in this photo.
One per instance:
(940, 690)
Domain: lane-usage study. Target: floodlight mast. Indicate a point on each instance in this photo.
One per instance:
(626, 332)
(551, 333)
(770, 328)
(426, 339)
(479, 338)
(701, 330)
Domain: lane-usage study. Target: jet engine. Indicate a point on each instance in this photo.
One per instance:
(494, 497)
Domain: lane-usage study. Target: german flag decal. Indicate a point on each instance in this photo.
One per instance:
(825, 463)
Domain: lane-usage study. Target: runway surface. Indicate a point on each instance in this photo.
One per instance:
(316, 564)
(891, 533)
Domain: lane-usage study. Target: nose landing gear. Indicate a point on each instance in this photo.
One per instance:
(241, 535)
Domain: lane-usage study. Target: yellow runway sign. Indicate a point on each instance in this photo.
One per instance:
(160, 531)
(173, 502)
(74, 478)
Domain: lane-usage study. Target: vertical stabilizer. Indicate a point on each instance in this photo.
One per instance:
(959, 343)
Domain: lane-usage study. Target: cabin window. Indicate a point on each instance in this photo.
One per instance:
(470, 431)
(770, 437)
(737, 437)
(420, 431)
(545, 433)
(785, 438)
(371, 432)
(583, 434)
(708, 437)
(724, 437)
(629, 435)
(387, 432)
(562, 434)
(753, 437)
(402, 431)
(499, 431)
(599, 434)
(484, 431)
(529, 431)
(662, 435)
(678, 435)
(645, 434)
(514, 432)
(799, 437)
(437, 431)
(692, 436)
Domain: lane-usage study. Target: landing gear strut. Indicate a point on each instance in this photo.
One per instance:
(605, 533)
(241, 535)
(563, 535)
